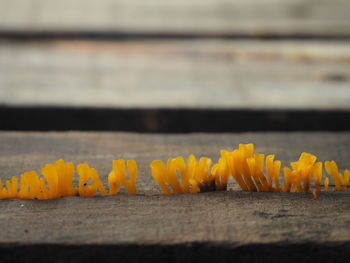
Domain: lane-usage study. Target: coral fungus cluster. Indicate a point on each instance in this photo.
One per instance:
(252, 172)
(58, 181)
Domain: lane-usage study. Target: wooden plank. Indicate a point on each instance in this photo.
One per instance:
(177, 74)
(233, 218)
(216, 17)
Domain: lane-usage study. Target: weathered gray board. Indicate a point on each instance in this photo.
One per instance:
(234, 218)
(247, 17)
(177, 74)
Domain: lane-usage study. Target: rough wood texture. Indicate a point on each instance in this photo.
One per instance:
(254, 17)
(234, 218)
(173, 74)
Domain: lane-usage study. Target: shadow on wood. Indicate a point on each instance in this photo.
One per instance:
(195, 252)
(171, 120)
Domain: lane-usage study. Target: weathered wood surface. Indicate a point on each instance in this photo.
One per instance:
(175, 74)
(247, 17)
(235, 218)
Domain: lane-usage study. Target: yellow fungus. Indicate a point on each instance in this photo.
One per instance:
(31, 187)
(346, 178)
(158, 171)
(270, 169)
(117, 177)
(303, 171)
(59, 177)
(220, 174)
(287, 179)
(195, 176)
(326, 183)
(332, 170)
(87, 174)
(256, 173)
(252, 172)
(247, 168)
(238, 167)
(10, 191)
(276, 173)
(317, 174)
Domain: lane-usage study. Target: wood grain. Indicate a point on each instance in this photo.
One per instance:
(177, 74)
(236, 218)
(217, 17)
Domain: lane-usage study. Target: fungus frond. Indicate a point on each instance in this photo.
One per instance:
(195, 176)
(326, 184)
(332, 170)
(158, 172)
(11, 189)
(317, 174)
(59, 177)
(236, 163)
(298, 179)
(31, 187)
(273, 169)
(288, 179)
(86, 174)
(220, 173)
(117, 176)
(256, 164)
(247, 168)
(202, 175)
(346, 178)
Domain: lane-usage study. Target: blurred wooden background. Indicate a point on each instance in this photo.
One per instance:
(207, 54)
(217, 17)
